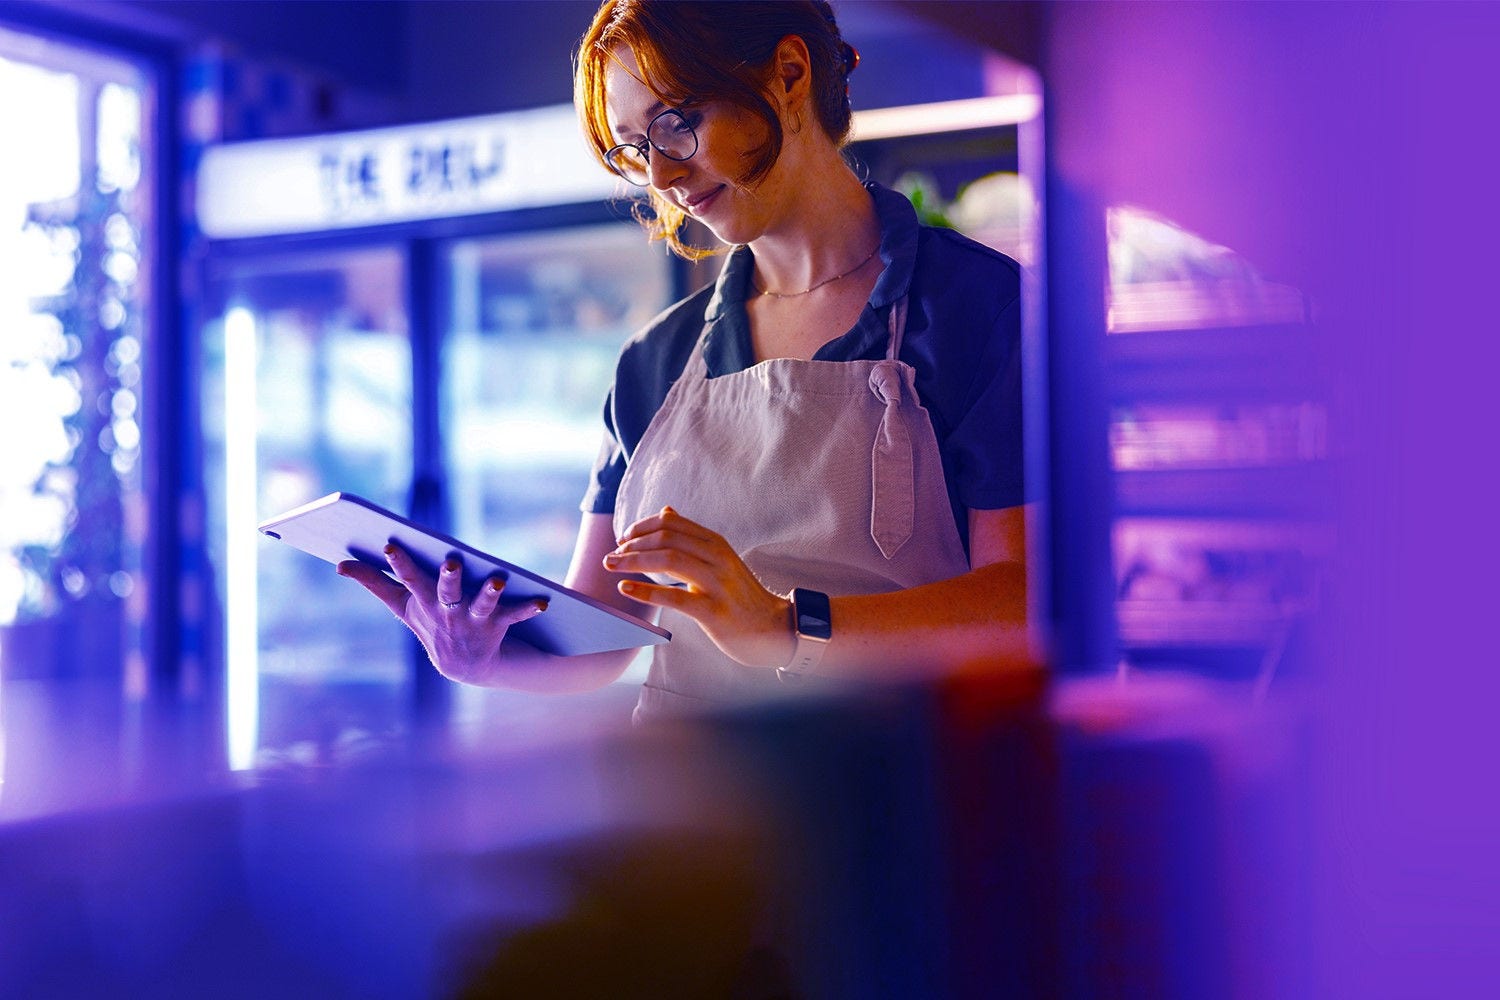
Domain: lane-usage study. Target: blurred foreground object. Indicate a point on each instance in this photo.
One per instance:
(968, 837)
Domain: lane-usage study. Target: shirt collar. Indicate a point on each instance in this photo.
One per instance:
(898, 244)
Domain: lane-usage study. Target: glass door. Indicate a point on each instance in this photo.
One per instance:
(307, 390)
(535, 323)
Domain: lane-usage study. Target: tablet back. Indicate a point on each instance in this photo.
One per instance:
(343, 526)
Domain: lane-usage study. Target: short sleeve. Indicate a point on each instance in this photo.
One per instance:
(609, 467)
(985, 443)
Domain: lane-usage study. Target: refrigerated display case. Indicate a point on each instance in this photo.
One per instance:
(313, 382)
(533, 327)
(968, 178)
(440, 345)
(1220, 453)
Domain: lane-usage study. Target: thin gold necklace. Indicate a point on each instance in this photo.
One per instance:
(825, 281)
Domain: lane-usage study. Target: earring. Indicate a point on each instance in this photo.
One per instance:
(796, 123)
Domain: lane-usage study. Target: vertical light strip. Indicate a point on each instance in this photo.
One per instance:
(241, 612)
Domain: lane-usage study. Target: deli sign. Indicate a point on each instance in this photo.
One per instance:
(433, 170)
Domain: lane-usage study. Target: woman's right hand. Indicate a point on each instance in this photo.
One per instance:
(462, 637)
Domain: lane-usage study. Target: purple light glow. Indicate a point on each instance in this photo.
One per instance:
(1345, 150)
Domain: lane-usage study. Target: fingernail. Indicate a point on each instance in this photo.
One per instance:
(495, 585)
(451, 566)
(389, 549)
(339, 569)
(541, 606)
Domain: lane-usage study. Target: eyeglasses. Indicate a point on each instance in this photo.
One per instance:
(669, 134)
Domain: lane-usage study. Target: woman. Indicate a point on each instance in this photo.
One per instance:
(812, 467)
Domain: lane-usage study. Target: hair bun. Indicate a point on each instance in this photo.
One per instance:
(851, 58)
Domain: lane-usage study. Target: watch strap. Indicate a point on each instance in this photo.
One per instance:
(812, 624)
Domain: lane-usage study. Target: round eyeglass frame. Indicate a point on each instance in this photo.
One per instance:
(632, 160)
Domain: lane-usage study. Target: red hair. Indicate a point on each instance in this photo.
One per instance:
(720, 52)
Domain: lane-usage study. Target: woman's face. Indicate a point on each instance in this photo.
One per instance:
(707, 185)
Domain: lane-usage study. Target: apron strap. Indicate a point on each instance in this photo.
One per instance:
(893, 502)
(897, 328)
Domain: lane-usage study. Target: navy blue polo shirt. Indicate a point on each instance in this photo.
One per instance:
(963, 338)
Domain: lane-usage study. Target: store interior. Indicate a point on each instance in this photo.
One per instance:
(259, 252)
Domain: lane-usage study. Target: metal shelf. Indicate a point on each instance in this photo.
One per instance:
(1187, 625)
(1291, 491)
(1270, 362)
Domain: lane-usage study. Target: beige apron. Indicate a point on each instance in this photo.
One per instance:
(820, 474)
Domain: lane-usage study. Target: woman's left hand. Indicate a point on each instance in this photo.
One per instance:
(744, 619)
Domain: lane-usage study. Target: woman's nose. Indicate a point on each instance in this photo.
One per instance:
(662, 171)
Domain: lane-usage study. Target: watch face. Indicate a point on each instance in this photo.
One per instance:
(813, 617)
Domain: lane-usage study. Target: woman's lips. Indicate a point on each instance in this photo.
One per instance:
(697, 203)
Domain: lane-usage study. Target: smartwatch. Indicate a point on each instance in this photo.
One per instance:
(813, 625)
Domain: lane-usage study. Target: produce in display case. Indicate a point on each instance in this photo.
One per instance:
(1164, 278)
(1227, 592)
(1227, 435)
(969, 180)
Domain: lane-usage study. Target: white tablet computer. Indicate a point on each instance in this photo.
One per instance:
(342, 526)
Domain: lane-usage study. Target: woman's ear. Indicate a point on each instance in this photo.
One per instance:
(793, 69)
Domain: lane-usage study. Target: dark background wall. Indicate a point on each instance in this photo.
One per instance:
(448, 58)
(360, 42)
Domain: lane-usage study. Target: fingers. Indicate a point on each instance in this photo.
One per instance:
(517, 613)
(406, 570)
(450, 584)
(671, 544)
(393, 595)
(675, 598)
(689, 560)
(413, 583)
(488, 598)
(448, 588)
(667, 519)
